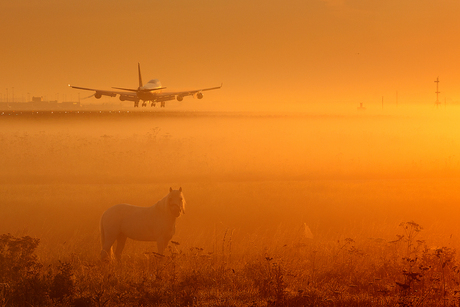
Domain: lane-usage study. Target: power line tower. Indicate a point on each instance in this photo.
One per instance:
(437, 103)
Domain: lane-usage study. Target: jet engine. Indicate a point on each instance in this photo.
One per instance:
(126, 97)
(180, 98)
(198, 95)
(97, 95)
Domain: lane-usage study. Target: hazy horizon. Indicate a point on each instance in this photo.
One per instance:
(327, 50)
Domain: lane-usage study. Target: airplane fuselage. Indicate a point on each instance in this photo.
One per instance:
(151, 85)
(146, 92)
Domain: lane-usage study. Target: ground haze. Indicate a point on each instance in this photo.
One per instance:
(252, 180)
(321, 167)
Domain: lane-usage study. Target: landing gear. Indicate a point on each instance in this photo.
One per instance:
(152, 104)
(144, 104)
(136, 104)
(163, 104)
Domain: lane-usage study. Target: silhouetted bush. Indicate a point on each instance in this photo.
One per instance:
(20, 272)
(62, 285)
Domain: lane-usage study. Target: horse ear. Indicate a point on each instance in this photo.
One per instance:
(170, 190)
(180, 189)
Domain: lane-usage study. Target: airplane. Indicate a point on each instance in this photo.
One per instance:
(149, 92)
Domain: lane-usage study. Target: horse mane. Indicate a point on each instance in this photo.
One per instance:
(183, 204)
(161, 204)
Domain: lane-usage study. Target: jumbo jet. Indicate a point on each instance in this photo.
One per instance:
(151, 92)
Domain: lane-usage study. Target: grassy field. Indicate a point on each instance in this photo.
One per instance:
(378, 192)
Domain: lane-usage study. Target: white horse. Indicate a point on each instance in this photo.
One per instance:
(154, 223)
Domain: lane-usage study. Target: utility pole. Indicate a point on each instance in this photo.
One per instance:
(437, 103)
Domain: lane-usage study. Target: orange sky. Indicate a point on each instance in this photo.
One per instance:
(301, 50)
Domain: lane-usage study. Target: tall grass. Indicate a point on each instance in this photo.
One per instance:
(344, 272)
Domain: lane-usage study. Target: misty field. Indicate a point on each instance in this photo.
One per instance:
(377, 189)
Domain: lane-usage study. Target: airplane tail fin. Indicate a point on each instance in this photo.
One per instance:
(140, 77)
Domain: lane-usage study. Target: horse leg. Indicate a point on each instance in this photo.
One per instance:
(121, 240)
(161, 245)
(107, 243)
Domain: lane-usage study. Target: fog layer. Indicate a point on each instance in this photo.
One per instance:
(256, 174)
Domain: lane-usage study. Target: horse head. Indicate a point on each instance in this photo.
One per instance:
(176, 202)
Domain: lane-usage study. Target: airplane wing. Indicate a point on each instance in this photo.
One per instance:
(188, 93)
(100, 93)
(164, 96)
(134, 95)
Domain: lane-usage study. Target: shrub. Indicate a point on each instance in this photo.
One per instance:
(20, 272)
(62, 285)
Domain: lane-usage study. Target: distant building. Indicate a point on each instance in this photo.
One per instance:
(69, 105)
(37, 103)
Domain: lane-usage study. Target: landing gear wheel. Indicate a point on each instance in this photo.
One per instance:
(144, 104)
(136, 104)
(163, 104)
(152, 104)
